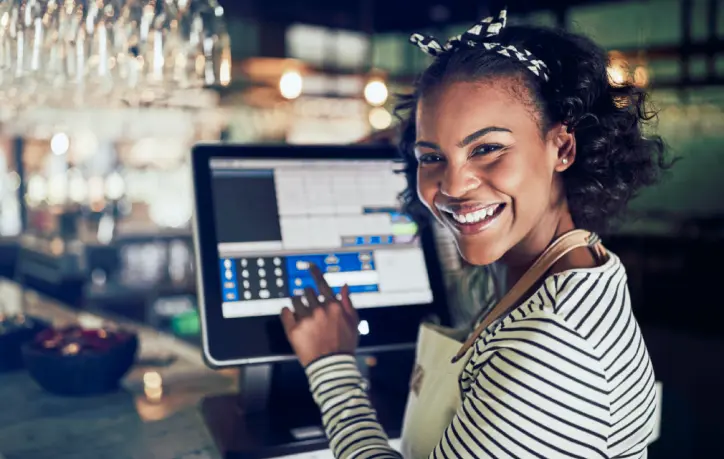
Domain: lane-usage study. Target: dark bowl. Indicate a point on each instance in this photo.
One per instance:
(11, 343)
(86, 373)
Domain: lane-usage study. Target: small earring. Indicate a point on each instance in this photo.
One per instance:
(565, 161)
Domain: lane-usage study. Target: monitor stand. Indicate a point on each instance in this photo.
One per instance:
(274, 415)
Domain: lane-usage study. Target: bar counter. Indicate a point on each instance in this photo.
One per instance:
(122, 425)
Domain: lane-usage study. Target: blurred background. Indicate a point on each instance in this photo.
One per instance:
(102, 100)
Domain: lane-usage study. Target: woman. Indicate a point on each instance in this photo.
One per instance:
(515, 141)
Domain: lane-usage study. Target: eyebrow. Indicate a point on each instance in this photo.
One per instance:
(480, 133)
(467, 140)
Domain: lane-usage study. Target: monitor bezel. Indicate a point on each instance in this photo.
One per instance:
(265, 341)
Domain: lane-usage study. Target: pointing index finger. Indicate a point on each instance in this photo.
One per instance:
(321, 282)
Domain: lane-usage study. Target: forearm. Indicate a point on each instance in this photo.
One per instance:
(349, 419)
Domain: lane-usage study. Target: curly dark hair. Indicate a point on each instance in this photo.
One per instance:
(614, 159)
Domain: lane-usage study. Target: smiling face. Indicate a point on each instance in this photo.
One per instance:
(488, 173)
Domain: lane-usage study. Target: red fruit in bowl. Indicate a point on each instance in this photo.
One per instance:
(45, 335)
(82, 340)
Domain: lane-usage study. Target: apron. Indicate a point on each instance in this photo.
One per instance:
(434, 391)
(435, 394)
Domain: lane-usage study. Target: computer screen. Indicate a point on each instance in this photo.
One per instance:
(274, 217)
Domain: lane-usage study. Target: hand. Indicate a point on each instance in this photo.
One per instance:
(321, 328)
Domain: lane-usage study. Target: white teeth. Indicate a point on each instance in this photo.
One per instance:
(474, 217)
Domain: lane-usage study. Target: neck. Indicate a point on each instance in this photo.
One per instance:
(521, 257)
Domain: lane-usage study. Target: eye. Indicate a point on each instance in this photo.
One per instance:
(486, 149)
(430, 158)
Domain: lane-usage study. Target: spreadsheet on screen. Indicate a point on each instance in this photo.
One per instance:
(274, 218)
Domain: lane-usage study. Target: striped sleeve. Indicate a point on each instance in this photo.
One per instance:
(536, 392)
(349, 419)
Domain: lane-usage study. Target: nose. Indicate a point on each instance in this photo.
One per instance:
(458, 181)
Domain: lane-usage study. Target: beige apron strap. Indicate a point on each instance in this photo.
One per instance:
(560, 247)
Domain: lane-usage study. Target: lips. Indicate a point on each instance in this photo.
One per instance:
(472, 219)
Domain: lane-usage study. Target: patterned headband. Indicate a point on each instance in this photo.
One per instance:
(476, 37)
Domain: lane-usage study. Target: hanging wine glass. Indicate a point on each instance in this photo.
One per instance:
(31, 58)
(160, 51)
(201, 23)
(6, 59)
(70, 53)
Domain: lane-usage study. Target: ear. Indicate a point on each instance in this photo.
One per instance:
(564, 142)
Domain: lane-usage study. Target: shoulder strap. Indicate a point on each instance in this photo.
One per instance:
(560, 247)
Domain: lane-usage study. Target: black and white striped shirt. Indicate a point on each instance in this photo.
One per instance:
(566, 374)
